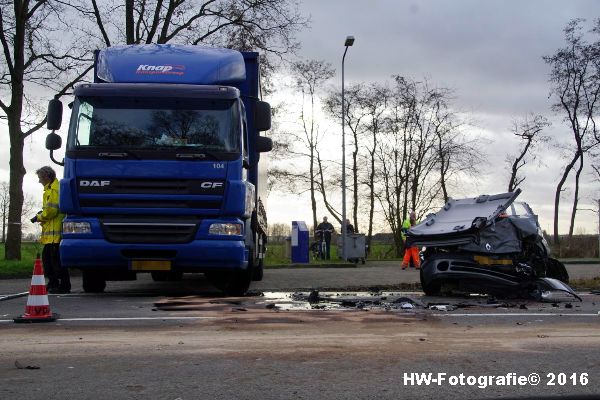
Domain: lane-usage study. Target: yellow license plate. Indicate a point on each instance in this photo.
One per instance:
(150, 265)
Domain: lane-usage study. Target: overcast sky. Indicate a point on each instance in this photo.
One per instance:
(489, 52)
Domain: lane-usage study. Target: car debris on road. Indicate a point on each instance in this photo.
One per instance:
(488, 244)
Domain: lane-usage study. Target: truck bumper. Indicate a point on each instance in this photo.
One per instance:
(197, 256)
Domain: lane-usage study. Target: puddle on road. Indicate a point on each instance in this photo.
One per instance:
(338, 300)
(351, 301)
(385, 301)
(391, 301)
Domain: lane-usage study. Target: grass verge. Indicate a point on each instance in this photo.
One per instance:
(23, 268)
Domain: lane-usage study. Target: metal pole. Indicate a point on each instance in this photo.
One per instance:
(598, 227)
(343, 166)
(349, 42)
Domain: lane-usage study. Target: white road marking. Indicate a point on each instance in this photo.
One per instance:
(13, 296)
(125, 319)
(451, 314)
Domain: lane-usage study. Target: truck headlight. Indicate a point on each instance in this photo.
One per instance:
(250, 195)
(77, 227)
(230, 228)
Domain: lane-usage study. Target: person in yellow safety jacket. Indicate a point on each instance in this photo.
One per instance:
(51, 220)
(410, 252)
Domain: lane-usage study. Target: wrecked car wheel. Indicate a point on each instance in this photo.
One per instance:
(432, 288)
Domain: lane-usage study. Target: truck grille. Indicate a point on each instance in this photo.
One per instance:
(149, 203)
(206, 194)
(151, 186)
(149, 232)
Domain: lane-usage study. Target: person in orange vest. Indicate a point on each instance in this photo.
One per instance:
(410, 252)
(51, 220)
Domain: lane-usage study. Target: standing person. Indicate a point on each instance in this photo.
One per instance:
(410, 252)
(51, 220)
(325, 229)
(349, 227)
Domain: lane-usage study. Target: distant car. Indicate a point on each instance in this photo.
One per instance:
(488, 244)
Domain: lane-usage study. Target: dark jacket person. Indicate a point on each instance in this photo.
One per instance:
(324, 230)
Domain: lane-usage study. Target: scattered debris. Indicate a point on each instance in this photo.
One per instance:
(313, 297)
(21, 366)
(442, 307)
(568, 305)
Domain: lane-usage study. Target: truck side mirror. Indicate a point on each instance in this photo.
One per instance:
(53, 141)
(54, 117)
(263, 144)
(262, 116)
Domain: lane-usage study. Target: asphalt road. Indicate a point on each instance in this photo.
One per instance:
(182, 340)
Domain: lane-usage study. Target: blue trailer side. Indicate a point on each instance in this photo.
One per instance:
(162, 167)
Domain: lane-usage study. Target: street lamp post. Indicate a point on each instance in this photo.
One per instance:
(349, 42)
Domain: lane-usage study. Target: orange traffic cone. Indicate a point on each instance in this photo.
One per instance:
(37, 308)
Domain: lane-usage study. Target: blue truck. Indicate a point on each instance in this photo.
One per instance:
(161, 167)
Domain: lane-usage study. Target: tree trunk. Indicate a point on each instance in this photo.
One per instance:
(372, 192)
(576, 195)
(129, 24)
(12, 246)
(355, 183)
(4, 222)
(559, 187)
(313, 200)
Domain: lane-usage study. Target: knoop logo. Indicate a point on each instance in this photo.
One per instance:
(83, 183)
(160, 69)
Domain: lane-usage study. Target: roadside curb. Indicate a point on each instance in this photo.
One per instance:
(304, 266)
(580, 261)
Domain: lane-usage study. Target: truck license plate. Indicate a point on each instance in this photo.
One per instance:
(150, 265)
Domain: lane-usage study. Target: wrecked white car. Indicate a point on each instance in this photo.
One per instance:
(488, 244)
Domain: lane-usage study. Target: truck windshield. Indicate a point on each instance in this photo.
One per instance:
(154, 123)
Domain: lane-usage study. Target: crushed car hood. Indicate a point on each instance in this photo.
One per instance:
(479, 225)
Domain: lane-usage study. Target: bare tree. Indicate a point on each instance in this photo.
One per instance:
(529, 132)
(278, 231)
(394, 152)
(575, 79)
(355, 116)
(375, 102)
(420, 151)
(36, 55)
(303, 144)
(29, 204)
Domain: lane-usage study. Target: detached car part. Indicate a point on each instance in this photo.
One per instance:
(487, 244)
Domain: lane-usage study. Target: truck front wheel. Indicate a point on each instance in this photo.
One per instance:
(93, 281)
(231, 283)
(258, 271)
